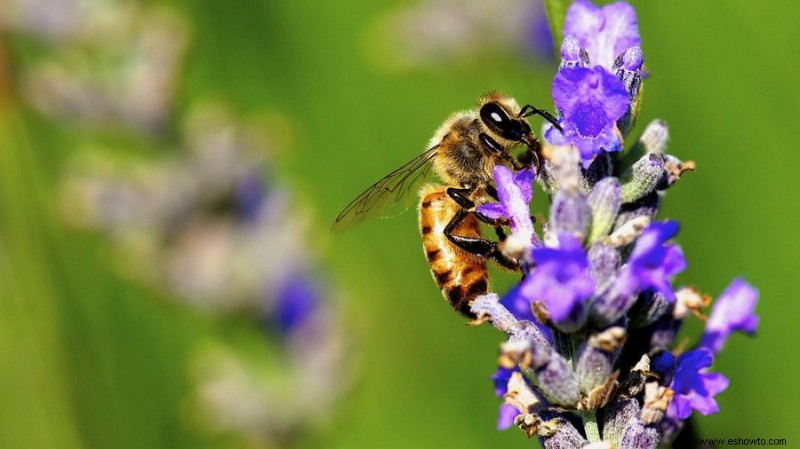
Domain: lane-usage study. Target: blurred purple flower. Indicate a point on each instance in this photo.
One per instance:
(520, 306)
(732, 311)
(540, 39)
(653, 263)
(561, 279)
(589, 101)
(296, 299)
(604, 32)
(693, 388)
(250, 194)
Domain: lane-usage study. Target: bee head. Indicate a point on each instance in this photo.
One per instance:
(501, 118)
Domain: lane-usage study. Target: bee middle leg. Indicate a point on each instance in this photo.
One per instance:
(480, 247)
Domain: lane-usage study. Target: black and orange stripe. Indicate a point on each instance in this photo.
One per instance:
(460, 274)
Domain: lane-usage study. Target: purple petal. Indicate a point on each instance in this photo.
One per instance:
(515, 194)
(653, 263)
(604, 33)
(524, 181)
(583, 20)
(561, 279)
(493, 210)
(501, 378)
(732, 311)
(694, 388)
(506, 416)
(571, 53)
(620, 32)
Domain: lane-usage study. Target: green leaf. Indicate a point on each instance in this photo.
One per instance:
(556, 13)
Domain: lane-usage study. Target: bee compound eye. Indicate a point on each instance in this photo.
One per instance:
(494, 116)
(497, 120)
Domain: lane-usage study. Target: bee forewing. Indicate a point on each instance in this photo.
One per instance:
(390, 196)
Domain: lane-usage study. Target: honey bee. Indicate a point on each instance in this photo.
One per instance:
(463, 153)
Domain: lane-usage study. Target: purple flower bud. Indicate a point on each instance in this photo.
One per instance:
(616, 416)
(642, 178)
(604, 32)
(555, 377)
(653, 262)
(507, 412)
(604, 261)
(655, 137)
(604, 201)
(506, 416)
(664, 331)
(610, 306)
(732, 311)
(590, 101)
(561, 281)
(628, 68)
(647, 206)
(648, 309)
(572, 55)
(695, 388)
(596, 358)
(565, 437)
(570, 214)
(638, 436)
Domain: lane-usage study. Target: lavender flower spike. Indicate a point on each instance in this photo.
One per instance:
(732, 311)
(604, 268)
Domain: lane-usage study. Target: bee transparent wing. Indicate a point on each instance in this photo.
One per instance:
(393, 194)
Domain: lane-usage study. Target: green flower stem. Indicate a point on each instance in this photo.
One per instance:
(590, 425)
(556, 13)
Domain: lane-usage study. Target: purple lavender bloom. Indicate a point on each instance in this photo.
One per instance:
(605, 32)
(297, 298)
(694, 388)
(561, 280)
(515, 192)
(540, 39)
(520, 307)
(589, 101)
(653, 263)
(250, 194)
(505, 418)
(732, 311)
(518, 304)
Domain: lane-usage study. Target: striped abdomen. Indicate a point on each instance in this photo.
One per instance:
(460, 274)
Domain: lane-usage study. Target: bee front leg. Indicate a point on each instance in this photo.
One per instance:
(477, 246)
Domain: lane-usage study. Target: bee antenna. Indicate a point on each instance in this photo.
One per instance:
(529, 110)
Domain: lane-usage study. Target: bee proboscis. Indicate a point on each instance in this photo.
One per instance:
(463, 153)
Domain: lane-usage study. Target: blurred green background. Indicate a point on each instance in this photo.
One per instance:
(88, 359)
